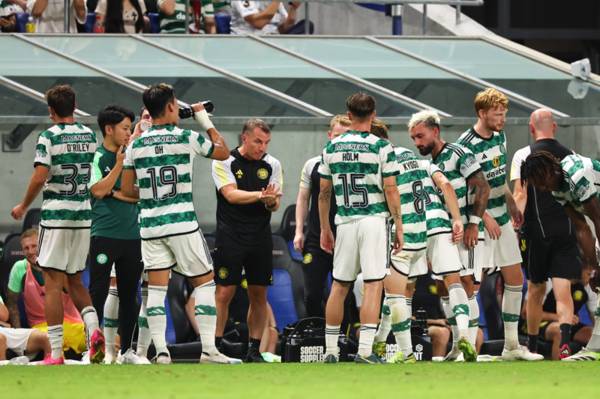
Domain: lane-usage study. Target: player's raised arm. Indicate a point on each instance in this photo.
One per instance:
(220, 151)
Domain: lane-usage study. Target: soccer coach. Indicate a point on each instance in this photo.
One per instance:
(248, 186)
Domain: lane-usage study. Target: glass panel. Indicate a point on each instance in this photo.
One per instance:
(394, 71)
(512, 71)
(279, 71)
(192, 82)
(14, 103)
(40, 69)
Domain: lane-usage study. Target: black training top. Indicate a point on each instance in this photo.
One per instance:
(311, 179)
(251, 223)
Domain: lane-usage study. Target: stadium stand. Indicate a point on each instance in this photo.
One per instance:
(32, 219)
(12, 253)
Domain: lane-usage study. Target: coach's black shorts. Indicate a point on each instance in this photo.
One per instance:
(553, 257)
(231, 257)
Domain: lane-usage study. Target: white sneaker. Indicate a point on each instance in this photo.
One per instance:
(85, 357)
(454, 355)
(130, 357)
(163, 358)
(218, 358)
(520, 353)
(109, 358)
(583, 355)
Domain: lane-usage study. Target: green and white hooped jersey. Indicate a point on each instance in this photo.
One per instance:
(458, 164)
(491, 155)
(438, 220)
(413, 199)
(357, 163)
(581, 181)
(68, 152)
(163, 159)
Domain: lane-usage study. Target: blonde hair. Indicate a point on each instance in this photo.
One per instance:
(340, 119)
(28, 233)
(428, 117)
(490, 98)
(379, 129)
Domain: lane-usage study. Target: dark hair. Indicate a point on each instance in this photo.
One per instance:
(539, 167)
(113, 20)
(360, 105)
(156, 98)
(61, 99)
(380, 129)
(253, 123)
(113, 115)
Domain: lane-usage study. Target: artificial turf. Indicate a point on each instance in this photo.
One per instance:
(541, 380)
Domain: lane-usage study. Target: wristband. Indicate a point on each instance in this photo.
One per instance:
(202, 118)
(474, 220)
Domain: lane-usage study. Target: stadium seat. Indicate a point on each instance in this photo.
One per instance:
(287, 230)
(286, 294)
(12, 253)
(154, 22)
(223, 23)
(22, 18)
(90, 21)
(32, 219)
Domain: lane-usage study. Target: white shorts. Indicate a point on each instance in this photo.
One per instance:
(65, 250)
(472, 260)
(411, 264)
(361, 245)
(186, 254)
(443, 255)
(504, 251)
(16, 339)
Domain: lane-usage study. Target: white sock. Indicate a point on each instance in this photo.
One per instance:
(90, 319)
(144, 336)
(365, 342)
(157, 316)
(594, 343)
(111, 320)
(385, 325)
(409, 306)
(401, 323)
(332, 335)
(55, 335)
(511, 309)
(474, 316)
(206, 315)
(459, 303)
(451, 319)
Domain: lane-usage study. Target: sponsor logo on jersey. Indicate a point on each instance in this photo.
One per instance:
(262, 173)
(239, 174)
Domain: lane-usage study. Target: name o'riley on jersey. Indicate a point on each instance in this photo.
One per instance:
(78, 147)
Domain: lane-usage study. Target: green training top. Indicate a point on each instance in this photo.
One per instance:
(111, 217)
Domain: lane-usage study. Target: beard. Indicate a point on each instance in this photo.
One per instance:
(425, 150)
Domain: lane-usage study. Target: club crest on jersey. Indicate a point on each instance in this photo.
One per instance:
(239, 174)
(496, 162)
(102, 259)
(262, 174)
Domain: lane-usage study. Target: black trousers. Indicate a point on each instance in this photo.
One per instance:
(127, 258)
(316, 266)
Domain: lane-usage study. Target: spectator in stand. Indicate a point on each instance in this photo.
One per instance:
(49, 15)
(8, 14)
(263, 18)
(172, 16)
(121, 16)
(22, 341)
(26, 280)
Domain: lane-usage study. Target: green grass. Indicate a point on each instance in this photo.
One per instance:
(542, 380)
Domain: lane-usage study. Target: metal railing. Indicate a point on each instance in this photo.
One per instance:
(395, 10)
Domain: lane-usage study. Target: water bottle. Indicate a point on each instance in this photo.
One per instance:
(98, 26)
(30, 25)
